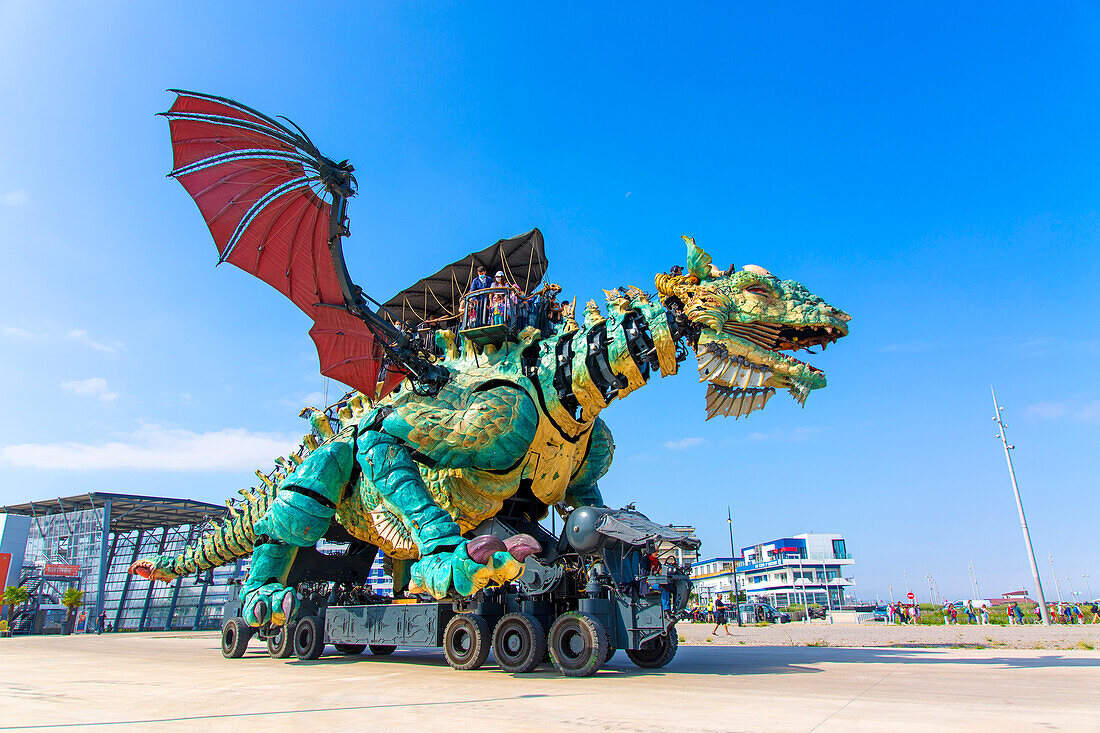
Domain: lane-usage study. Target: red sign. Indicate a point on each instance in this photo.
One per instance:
(5, 563)
(55, 570)
(911, 596)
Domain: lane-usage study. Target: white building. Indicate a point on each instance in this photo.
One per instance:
(807, 568)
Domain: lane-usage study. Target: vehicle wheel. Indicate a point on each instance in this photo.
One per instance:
(280, 645)
(235, 636)
(466, 641)
(655, 653)
(382, 650)
(610, 653)
(519, 643)
(350, 648)
(578, 644)
(309, 638)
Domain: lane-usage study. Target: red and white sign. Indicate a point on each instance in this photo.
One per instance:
(5, 563)
(56, 570)
(911, 596)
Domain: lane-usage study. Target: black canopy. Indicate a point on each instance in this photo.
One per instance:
(635, 529)
(522, 258)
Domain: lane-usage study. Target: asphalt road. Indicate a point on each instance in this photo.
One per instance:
(181, 682)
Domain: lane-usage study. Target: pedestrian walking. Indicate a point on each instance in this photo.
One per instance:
(985, 616)
(720, 615)
(100, 622)
(971, 617)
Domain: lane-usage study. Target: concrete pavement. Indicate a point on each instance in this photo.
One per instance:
(181, 682)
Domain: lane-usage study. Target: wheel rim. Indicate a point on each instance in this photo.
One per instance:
(513, 645)
(462, 641)
(572, 647)
(304, 638)
(229, 637)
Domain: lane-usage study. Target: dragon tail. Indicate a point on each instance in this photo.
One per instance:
(233, 536)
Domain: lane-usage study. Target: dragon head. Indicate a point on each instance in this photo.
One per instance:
(746, 322)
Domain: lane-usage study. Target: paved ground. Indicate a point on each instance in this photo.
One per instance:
(181, 682)
(819, 633)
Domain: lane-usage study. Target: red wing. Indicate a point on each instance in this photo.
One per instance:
(262, 198)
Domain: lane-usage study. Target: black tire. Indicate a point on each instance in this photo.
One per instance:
(519, 643)
(350, 649)
(382, 650)
(280, 642)
(235, 636)
(655, 653)
(466, 641)
(309, 638)
(610, 653)
(578, 644)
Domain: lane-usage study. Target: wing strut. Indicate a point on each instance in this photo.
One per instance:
(262, 189)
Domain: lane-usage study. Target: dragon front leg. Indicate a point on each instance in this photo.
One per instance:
(300, 515)
(449, 563)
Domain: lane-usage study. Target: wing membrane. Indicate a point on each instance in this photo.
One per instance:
(259, 188)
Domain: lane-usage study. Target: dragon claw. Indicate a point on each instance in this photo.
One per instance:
(272, 603)
(522, 546)
(480, 549)
(474, 564)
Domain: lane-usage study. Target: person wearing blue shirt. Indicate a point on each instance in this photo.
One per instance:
(475, 305)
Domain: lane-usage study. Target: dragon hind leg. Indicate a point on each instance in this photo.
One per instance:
(299, 516)
(449, 564)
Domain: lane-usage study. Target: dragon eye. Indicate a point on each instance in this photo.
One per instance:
(757, 290)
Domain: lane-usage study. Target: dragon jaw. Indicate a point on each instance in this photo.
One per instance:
(747, 322)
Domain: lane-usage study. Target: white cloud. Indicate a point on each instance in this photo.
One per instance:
(796, 435)
(314, 399)
(1078, 410)
(16, 199)
(157, 448)
(684, 443)
(81, 335)
(20, 333)
(94, 387)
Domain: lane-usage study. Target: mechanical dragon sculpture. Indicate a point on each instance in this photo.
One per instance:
(425, 451)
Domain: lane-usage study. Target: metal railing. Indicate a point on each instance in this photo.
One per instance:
(505, 307)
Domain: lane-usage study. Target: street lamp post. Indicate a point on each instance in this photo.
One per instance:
(733, 556)
(1088, 590)
(1057, 583)
(1020, 508)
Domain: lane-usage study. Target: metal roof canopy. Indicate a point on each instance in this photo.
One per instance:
(128, 512)
(522, 259)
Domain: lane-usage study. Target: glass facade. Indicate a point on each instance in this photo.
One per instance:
(136, 604)
(59, 540)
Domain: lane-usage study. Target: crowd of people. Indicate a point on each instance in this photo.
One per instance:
(954, 614)
(496, 302)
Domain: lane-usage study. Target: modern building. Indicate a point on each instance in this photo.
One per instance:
(713, 576)
(682, 556)
(89, 541)
(808, 568)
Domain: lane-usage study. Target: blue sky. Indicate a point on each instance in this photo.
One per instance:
(932, 171)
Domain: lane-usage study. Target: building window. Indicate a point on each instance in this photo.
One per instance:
(840, 552)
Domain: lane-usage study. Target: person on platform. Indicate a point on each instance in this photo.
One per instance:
(720, 619)
(971, 617)
(502, 302)
(475, 304)
(482, 280)
(100, 622)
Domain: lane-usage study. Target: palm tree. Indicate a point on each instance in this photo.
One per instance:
(14, 595)
(72, 599)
